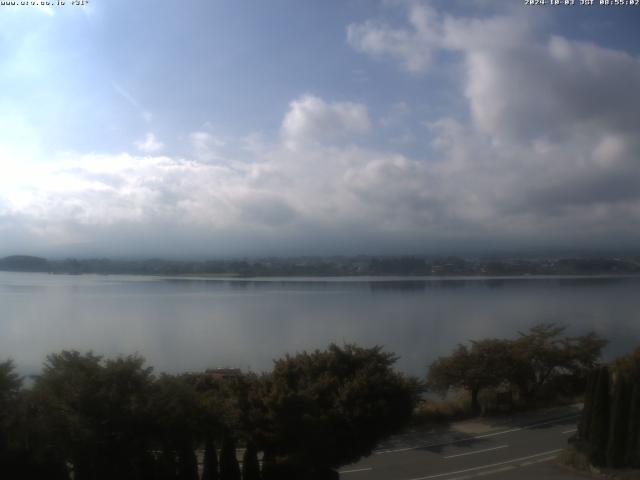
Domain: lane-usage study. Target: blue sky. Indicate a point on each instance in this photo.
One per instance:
(356, 126)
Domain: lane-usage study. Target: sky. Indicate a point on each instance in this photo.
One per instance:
(216, 128)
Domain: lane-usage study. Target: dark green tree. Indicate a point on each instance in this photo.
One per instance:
(210, 462)
(187, 463)
(166, 465)
(229, 468)
(250, 464)
(12, 441)
(619, 417)
(585, 417)
(632, 455)
(97, 412)
(543, 354)
(178, 412)
(68, 392)
(487, 363)
(599, 425)
(269, 468)
(629, 364)
(328, 408)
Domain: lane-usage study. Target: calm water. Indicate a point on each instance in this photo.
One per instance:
(182, 324)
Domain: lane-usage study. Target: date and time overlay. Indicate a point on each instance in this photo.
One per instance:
(532, 3)
(46, 3)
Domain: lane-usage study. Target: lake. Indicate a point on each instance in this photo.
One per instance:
(191, 324)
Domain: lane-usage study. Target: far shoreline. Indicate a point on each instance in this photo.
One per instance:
(332, 278)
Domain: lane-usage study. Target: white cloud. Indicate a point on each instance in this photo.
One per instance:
(529, 88)
(412, 46)
(149, 144)
(206, 147)
(311, 119)
(549, 146)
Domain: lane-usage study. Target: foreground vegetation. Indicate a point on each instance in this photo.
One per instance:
(609, 429)
(94, 418)
(540, 366)
(89, 418)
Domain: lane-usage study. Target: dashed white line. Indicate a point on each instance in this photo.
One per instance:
(495, 470)
(356, 470)
(540, 460)
(477, 451)
(569, 431)
(483, 467)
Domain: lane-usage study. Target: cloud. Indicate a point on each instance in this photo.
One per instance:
(560, 139)
(545, 154)
(310, 119)
(150, 144)
(412, 46)
(514, 88)
(206, 147)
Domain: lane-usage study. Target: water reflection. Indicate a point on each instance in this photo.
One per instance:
(185, 324)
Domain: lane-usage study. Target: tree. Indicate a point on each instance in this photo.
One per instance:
(629, 364)
(10, 445)
(187, 463)
(96, 413)
(587, 409)
(229, 468)
(632, 455)
(629, 367)
(486, 364)
(328, 408)
(610, 423)
(538, 354)
(542, 354)
(166, 465)
(269, 467)
(210, 462)
(178, 415)
(250, 465)
(599, 425)
(529, 363)
(618, 428)
(67, 391)
(582, 354)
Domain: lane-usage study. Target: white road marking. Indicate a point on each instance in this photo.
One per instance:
(496, 470)
(477, 451)
(569, 431)
(483, 467)
(541, 460)
(476, 437)
(356, 470)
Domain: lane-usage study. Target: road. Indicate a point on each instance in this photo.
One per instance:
(522, 447)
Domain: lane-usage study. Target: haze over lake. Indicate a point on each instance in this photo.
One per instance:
(191, 324)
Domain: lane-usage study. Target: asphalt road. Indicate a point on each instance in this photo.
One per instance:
(522, 447)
